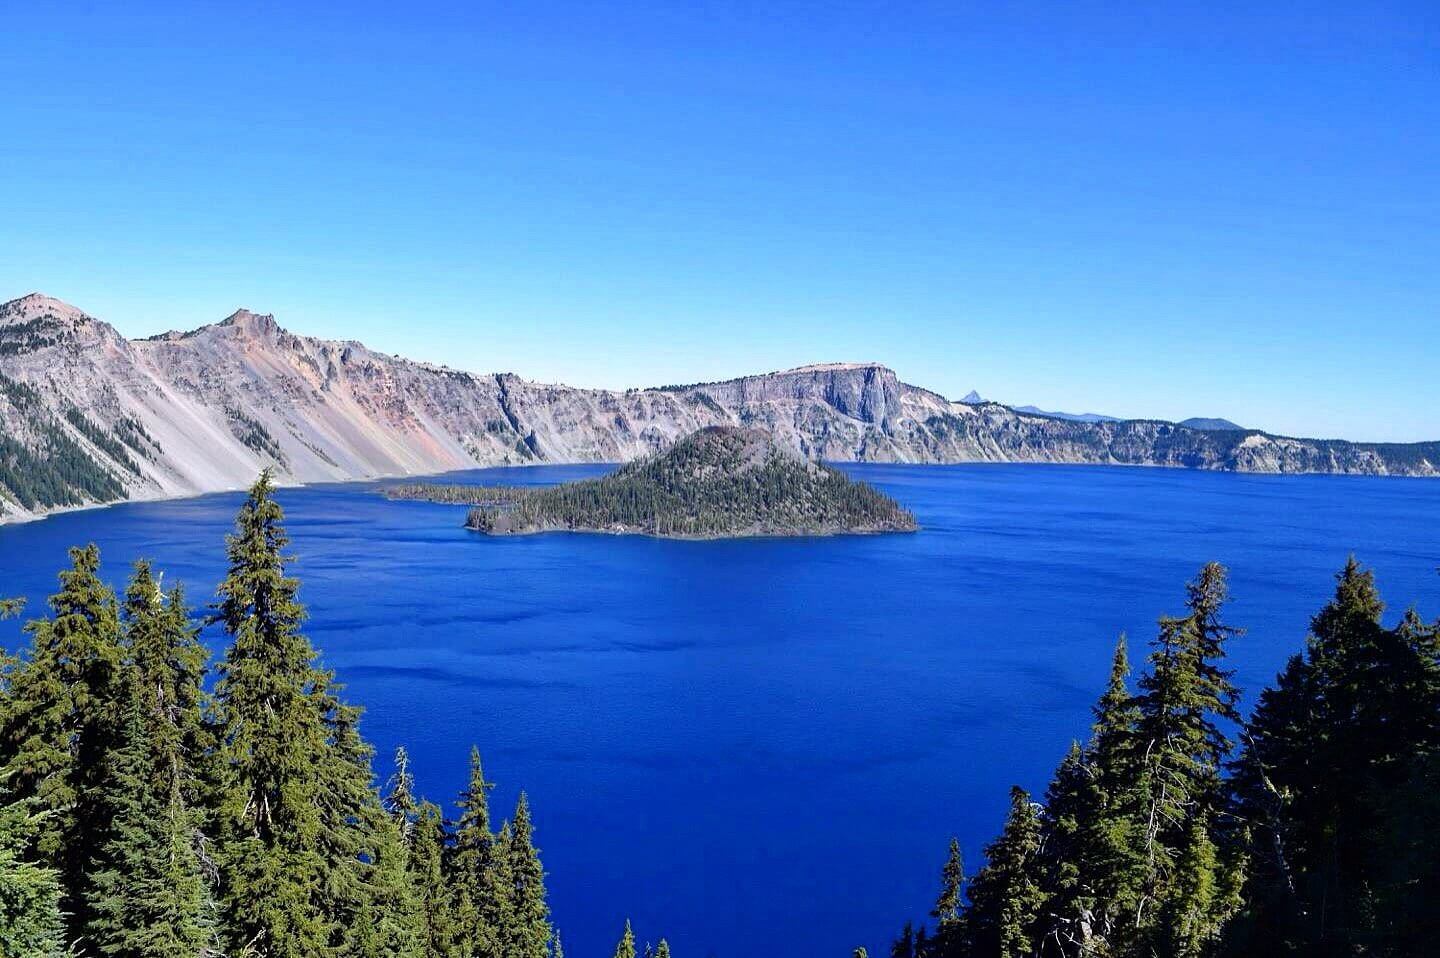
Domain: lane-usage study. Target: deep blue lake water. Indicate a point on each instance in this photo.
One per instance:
(762, 747)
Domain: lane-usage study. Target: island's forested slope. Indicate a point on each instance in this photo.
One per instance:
(721, 481)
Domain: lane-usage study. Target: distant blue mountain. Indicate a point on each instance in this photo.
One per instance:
(1212, 425)
(1071, 416)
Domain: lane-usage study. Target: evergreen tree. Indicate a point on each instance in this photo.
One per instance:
(947, 910)
(1114, 761)
(904, 946)
(626, 946)
(471, 869)
(662, 950)
(29, 892)
(530, 915)
(400, 798)
(60, 722)
(497, 895)
(952, 882)
(148, 894)
(368, 891)
(1065, 862)
(286, 849)
(163, 648)
(1205, 895)
(557, 950)
(1092, 865)
(1183, 751)
(391, 921)
(1327, 751)
(427, 876)
(1005, 896)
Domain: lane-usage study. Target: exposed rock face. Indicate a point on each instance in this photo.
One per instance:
(87, 415)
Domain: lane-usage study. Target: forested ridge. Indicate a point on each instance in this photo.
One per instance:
(1178, 831)
(719, 481)
(155, 806)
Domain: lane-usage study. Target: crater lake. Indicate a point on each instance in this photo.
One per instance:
(725, 741)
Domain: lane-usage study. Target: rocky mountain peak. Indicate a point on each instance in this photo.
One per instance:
(34, 305)
(260, 325)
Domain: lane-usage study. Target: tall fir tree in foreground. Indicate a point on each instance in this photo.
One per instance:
(29, 892)
(149, 894)
(1183, 750)
(60, 722)
(167, 665)
(426, 865)
(625, 948)
(1005, 896)
(480, 899)
(287, 853)
(1333, 754)
(530, 915)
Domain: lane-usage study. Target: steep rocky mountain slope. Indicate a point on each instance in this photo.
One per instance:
(88, 416)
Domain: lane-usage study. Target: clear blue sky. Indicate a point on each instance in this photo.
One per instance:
(1141, 209)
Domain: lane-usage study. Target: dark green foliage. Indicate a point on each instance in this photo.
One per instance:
(29, 891)
(904, 946)
(952, 882)
(1333, 782)
(102, 440)
(53, 469)
(1005, 896)
(626, 946)
(132, 433)
(253, 434)
(720, 481)
(295, 780)
(59, 723)
(1319, 842)
(478, 906)
(1186, 887)
(27, 336)
(162, 646)
(530, 915)
(947, 911)
(426, 865)
(148, 893)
